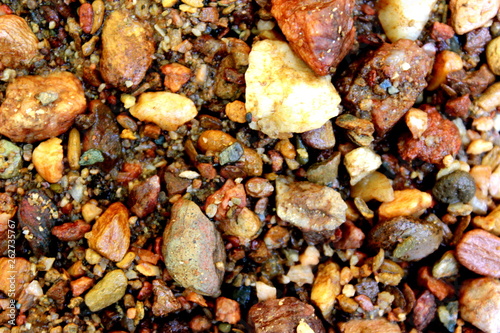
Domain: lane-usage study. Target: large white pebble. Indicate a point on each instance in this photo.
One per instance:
(165, 109)
(403, 19)
(283, 94)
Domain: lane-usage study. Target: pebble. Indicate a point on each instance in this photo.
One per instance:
(10, 159)
(24, 274)
(127, 50)
(259, 187)
(236, 112)
(416, 120)
(446, 62)
(493, 55)
(18, 43)
(214, 140)
(406, 202)
(246, 226)
(110, 235)
(326, 287)
(227, 310)
(360, 162)
(467, 15)
(326, 172)
(479, 251)
(375, 186)
(309, 206)
(231, 154)
(193, 250)
(283, 94)
(164, 300)
(490, 223)
(283, 315)
(176, 75)
(109, 290)
(23, 117)
(165, 109)
(458, 186)
(48, 160)
(480, 303)
(91, 157)
(320, 138)
(359, 130)
(37, 216)
(402, 19)
(143, 197)
(407, 238)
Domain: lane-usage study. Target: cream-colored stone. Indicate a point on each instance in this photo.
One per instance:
(375, 186)
(283, 94)
(406, 202)
(467, 15)
(403, 19)
(301, 274)
(490, 223)
(360, 162)
(479, 146)
(48, 160)
(165, 109)
(416, 120)
(264, 291)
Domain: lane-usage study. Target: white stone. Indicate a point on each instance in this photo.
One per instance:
(467, 15)
(403, 19)
(283, 94)
(360, 162)
(264, 291)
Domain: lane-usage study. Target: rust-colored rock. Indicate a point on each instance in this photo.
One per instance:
(58, 292)
(321, 32)
(479, 251)
(18, 43)
(175, 76)
(127, 50)
(222, 198)
(37, 108)
(437, 287)
(110, 235)
(37, 216)
(441, 138)
(283, 316)
(193, 250)
(458, 107)
(71, 231)
(23, 275)
(386, 83)
(227, 310)
(144, 197)
(81, 285)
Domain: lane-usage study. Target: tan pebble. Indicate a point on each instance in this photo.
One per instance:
(126, 261)
(90, 211)
(107, 291)
(264, 291)
(236, 112)
(167, 110)
(194, 3)
(490, 223)
(148, 269)
(214, 140)
(467, 15)
(360, 162)
(98, 18)
(48, 160)
(301, 274)
(480, 303)
(406, 202)
(286, 148)
(17, 42)
(253, 163)
(326, 287)
(74, 149)
(374, 186)
(110, 235)
(479, 146)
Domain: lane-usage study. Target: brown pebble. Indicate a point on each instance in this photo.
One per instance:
(479, 251)
(71, 231)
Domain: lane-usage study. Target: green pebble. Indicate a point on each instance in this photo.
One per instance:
(91, 156)
(10, 159)
(225, 327)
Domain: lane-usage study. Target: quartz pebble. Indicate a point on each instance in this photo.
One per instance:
(360, 162)
(402, 19)
(468, 15)
(165, 109)
(480, 303)
(283, 94)
(109, 290)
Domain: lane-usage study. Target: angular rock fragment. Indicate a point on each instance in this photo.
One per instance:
(309, 206)
(193, 250)
(144, 197)
(386, 84)
(321, 32)
(480, 303)
(283, 94)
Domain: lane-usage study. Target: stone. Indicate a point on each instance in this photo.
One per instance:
(283, 94)
(193, 250)
(360, 162)
(109, 290)
(480, 303)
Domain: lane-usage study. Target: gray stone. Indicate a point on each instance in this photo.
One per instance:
(193, 249)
